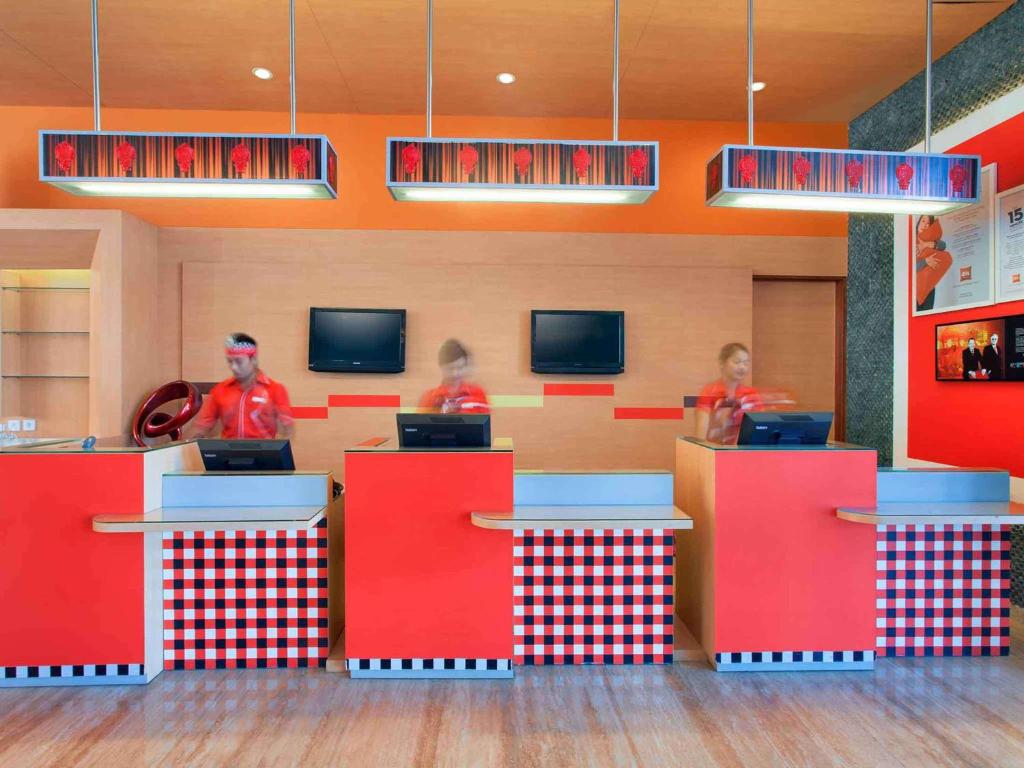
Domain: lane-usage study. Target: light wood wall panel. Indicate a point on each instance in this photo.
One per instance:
(676, 319)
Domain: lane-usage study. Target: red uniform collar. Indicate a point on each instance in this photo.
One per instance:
(261, 378)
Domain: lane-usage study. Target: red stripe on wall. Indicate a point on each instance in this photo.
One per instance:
(363, 401)
(649, 413)
(309, 411)
(579, 390)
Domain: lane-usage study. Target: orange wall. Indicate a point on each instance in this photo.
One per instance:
(365, 203)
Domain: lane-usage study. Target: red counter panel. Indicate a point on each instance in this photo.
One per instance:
(58, 576)
(421, 582)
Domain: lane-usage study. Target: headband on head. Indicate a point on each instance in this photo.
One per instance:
(232, 348)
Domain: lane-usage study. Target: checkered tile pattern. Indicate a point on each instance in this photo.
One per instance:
(245, 599)
(943, 590)
(72, 670)
(593, 597)
(460, 665)
(793, 657)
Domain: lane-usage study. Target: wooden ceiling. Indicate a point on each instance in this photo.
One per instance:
(823, 60)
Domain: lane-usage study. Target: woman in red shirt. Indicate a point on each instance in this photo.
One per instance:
(722, 403)
(456, 394)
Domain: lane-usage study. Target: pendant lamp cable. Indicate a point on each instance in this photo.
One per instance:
(291, 61)
(928, 78)
(430, 67)
(750, 73)
(615, 79)
(95, 66)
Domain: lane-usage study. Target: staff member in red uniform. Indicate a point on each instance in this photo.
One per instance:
(722, 403)
(250, 405)
(456, 394)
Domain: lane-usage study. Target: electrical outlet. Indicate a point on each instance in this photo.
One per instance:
(28, 425)
(14, 425)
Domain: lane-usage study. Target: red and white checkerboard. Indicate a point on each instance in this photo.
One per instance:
(593, 597)
(245, 599)
(943, 590)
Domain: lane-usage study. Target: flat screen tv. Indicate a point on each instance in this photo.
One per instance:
(577, 341)
(356, 340)
(996, 354)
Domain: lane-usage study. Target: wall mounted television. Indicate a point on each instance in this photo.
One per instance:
(356, 340)
(577, 341)
(955, 360)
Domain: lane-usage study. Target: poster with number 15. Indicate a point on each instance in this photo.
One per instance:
(1010, 245)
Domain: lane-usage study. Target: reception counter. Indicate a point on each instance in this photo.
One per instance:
(121, 562)
(770, 578)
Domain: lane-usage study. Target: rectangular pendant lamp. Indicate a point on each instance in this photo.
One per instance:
(854, 181)
(521, 170)
(118, 164)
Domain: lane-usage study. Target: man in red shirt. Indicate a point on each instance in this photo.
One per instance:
(249, 405)
(455, 395)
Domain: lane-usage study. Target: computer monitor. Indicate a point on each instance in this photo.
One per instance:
(785, 428)
(246, 455)
(427, 430)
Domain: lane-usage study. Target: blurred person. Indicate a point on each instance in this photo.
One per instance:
(932, 261)
(722, 403)
(249, 405)
(992, 358)
(456, 394)
(971, 360)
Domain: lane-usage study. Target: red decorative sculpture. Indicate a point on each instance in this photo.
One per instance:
(522, 157)
(468, 157)
(240, 158)
(125, 156)
(748, 167)
(150, 422)
(184, 155)
(854, 172)
(410, 158)
(300, 159)
(638, 163)
(904, 173)
(957, 178)
(581, 162)
(65, 154)
(332, 170)
(714, 171)
(801, 167)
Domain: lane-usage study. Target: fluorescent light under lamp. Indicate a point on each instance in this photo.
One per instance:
(519, 195)
(193, 189)
(782, 202)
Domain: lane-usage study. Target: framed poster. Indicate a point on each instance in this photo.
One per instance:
(1010, 244)
(952, 257)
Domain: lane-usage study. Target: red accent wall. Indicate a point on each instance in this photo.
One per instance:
(963, 423)
(69, 595)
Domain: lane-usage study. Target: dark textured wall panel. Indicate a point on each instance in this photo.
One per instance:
(982, 68)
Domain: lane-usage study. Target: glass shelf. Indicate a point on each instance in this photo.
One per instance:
(39, 376)
(58, 333)
(19, 288)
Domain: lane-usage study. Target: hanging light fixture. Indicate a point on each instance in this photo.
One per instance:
(190, 165)
(521, 170)
(853, 181)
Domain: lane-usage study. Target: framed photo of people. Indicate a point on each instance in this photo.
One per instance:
(987, 349)
(952, 257)
(1010, 244)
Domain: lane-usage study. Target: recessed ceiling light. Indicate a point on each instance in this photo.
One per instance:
(758, 86)
(506, 78)
(262, 73)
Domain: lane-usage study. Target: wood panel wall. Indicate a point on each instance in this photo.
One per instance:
(684, 296)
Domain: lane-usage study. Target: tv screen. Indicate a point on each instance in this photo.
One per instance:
(996, 354)
(577, 341)
(357, 340)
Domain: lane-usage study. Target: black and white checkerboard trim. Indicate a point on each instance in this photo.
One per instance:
(72, 670)
(459, 665)
(794, 657)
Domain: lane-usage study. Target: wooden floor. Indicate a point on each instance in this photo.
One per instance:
(946, 712)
